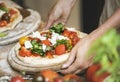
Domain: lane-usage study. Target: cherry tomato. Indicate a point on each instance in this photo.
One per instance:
(12, 11)
(17, 79)
(66, 33)
(92, 76)
(38, 78)
(3, 23)
(91, 71)
(49, 75)
(60, 49)
(70, 77)
(46, 42)
(23, 39)
(24, 52)
(49, 54)
(58, 79)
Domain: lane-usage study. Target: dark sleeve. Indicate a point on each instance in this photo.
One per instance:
(91, 11)
(20, 2)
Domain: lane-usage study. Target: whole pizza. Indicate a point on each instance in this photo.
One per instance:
(9, 17)
(44, 50)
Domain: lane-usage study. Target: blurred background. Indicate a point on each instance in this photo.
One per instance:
(84, 17)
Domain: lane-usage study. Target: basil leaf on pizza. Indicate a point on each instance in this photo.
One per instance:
(57, 28)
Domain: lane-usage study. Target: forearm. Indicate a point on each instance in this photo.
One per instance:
(112, 22)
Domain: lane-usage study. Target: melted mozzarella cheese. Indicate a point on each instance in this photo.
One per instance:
(1, 13)
(28, 44)
(44, 47)
(71, 29)
(56, 37)
(37, 35)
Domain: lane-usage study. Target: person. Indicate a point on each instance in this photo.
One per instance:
(79, 60)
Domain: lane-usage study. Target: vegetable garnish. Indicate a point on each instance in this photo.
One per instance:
(44, 44)
(3, 34)
(3, 7)
(107, 50)
(57, 28)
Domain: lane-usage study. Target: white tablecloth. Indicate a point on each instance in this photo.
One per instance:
(5, 68)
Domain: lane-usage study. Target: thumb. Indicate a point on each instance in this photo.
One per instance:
(71, 58)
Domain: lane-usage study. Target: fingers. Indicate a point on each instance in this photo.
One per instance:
(77, 66)
(63, 21)
(48, 24)
(70, 69)
(71, 58)
(52, 21)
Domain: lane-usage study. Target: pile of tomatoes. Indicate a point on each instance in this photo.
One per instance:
(93, 76)
(49, 76)
(53, 76)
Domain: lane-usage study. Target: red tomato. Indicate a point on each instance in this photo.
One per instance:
(91, 71)
(12, 12)
(72, 34)
(75, 40)
(92, 76)
(58, 79)
(46, 42)
(17, 79)
(66, 33)
(3, 23)
(49, 75)
(24, 52)
(72, 78)
(49, 54)
(60, 49)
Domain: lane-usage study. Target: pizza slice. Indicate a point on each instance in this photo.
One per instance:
(9, 17)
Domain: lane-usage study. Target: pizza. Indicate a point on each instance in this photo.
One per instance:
(9, 17)
(44, 50)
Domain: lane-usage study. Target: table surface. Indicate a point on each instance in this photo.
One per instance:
(5, 68)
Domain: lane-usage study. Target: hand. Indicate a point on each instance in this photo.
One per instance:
(79, 59)
(60, 12)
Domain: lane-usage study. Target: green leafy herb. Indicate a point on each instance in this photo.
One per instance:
(48, 48)
(37, 48)
(57, 28)
(65, 42)
(3, 34)
(4, 8)
(107, 50)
